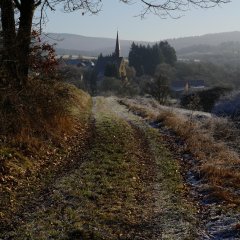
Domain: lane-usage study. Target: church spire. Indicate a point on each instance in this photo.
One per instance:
(117, 48)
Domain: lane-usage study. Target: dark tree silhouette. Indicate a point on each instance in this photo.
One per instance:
(146, 58)
(158, 87)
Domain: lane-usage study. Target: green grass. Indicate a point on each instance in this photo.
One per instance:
(179, 213)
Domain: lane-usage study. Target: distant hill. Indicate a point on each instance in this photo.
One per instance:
(93, 46)
(212, 39)
(70, 43)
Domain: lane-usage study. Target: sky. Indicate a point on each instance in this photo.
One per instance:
(116, 15)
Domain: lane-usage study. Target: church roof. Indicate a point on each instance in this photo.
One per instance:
(117, 47)
(115, 59)
(102, 62)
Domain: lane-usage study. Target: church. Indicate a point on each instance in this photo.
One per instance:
(112, 65)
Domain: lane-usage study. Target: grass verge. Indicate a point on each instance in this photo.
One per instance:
(218, 163)
(40, 128)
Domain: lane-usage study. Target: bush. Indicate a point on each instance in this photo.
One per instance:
(158, 87)
(73, 75)
(114, 86)
(206, 99)
(43, 109)
(110, 85)
(229, 106)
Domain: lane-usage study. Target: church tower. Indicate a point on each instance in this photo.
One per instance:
(117, 48)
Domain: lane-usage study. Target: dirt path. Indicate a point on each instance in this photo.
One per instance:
(128, 187)
(176, 213)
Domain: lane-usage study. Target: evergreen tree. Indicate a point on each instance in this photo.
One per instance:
(145, 58)
(168, 53)
(111, 70)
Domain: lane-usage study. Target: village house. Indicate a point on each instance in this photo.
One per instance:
(180, 87)
(76, 61)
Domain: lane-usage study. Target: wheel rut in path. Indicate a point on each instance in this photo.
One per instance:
(175, 214)
(217, 220)
(128, 187)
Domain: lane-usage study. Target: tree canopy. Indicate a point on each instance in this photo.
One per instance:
(158, 87)
(145, 58)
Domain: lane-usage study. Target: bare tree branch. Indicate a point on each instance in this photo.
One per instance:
(166, 8)
(48, 4)
(38, 3)
(162, 8)
(42, 16)
(17, 4)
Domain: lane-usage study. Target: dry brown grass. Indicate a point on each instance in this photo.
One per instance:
(224, 130)
(43, 111)
(218, 163)
(38, 107)
(139, 110)
(39, 127)
(212, 142)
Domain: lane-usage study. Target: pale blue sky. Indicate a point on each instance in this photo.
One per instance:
(116, 15)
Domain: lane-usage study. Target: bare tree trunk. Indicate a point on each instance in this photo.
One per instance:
(16, 45)
(24, 38)
(9, 40)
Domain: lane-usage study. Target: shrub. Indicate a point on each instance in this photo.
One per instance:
(42, 57)
(228, 106)
(43, 109)
(206, 99)
(73, 75)
(110, 85)
(158, 87)
(114, 86)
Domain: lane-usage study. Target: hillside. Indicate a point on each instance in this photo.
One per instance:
(72, 43)
(43, 130)
(212, 39)
(91, 46)
(149, 173)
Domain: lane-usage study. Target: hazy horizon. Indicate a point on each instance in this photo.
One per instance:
(114, 37)
(118, 16)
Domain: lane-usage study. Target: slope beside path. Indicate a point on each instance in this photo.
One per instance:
(128, 187)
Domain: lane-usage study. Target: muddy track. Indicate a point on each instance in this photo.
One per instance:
(168, 208)
(151, 227)
(149, 224)
(127, 185)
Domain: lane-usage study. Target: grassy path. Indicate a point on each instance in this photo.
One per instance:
(128, 187)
